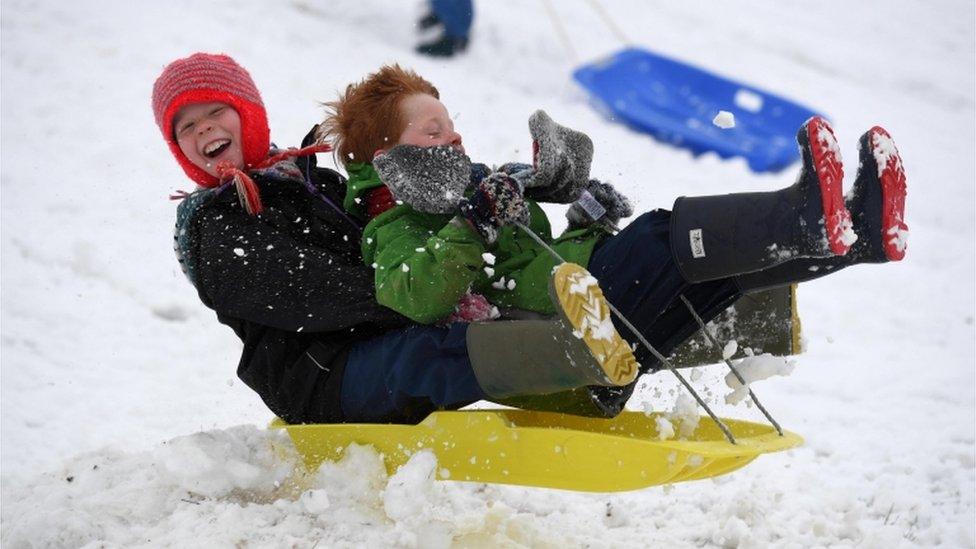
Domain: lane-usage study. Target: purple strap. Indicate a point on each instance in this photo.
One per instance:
(315, 192)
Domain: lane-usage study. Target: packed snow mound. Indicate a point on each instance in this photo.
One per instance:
(247, 485)
(243, 486)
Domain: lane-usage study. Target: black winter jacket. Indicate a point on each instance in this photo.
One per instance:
(290, 282)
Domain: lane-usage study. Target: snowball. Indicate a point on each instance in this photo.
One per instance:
(685, 412)
(724, 120)
(239, 252)
(488, 257)
(755, 368)
(664, 428)
(405, 268)
(730, 348)
(489, 271)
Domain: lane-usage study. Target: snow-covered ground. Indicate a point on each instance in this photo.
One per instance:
(122, 421)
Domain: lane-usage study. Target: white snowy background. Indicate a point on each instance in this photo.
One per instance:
(123, 424)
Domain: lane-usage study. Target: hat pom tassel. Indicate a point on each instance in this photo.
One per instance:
(247, 189)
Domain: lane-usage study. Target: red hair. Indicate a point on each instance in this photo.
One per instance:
(367, 117)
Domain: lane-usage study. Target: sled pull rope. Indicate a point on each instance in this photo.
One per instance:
(647, 345)
(614, 28)
(560, 31)
(735, 371)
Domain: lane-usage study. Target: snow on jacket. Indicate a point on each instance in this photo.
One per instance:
(425, 262)
(290, 282)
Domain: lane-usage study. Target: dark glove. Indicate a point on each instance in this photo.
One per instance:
(479, 171)
(497, 201)
(599, 203)
(431, 179)
(519, 171)
(561, 157)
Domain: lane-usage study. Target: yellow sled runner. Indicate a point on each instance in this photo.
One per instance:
(547, 449)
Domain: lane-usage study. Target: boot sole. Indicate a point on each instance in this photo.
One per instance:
(894, 188)
(582, 304)
(830, 174)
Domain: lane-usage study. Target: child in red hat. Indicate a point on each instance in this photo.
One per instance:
(263, 241)
(192, 96)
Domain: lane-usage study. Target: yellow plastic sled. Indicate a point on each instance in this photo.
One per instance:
(548, 450)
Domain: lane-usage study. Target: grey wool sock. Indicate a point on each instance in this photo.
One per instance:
(431, 179)
(562, 158)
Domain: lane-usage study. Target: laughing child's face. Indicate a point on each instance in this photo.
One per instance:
(209, 133)
(427, 123)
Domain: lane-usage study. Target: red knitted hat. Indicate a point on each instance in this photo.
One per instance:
(203, 78)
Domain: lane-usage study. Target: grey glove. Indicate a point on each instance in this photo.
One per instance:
(601, 204)
(562, 159)
(431, 179)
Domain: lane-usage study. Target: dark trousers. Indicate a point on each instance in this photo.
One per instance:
(456, 15)
(404, 375)
(638, 276)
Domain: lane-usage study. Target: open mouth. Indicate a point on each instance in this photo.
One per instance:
(216, 148)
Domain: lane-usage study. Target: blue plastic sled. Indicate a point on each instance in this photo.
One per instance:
(676, 102)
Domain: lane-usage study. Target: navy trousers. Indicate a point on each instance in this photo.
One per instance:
(456, 15)
(638, 275)
(403, 375)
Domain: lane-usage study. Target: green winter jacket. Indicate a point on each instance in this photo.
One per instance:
(425, 262)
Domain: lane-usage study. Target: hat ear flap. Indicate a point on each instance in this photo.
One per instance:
(255, 134)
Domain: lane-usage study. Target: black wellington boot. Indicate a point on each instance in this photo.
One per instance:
(877, 205)
(720, 236)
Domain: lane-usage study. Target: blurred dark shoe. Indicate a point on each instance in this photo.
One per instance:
(428, 21)
(445, 46)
